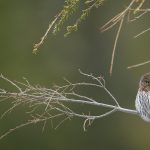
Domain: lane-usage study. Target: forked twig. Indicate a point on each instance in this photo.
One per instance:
(134, 7)
(119, 18)
(55, 101)
(34, 121)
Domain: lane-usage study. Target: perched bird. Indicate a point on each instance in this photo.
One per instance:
(142, 102)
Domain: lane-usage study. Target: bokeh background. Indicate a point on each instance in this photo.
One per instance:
(23, 23)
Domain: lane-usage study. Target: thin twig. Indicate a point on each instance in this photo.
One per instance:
(144, 31)
(36, 46)
(138, 65)
(115, 44)
(26, 124)
(55, 101)
(1, 76)
(119, 18)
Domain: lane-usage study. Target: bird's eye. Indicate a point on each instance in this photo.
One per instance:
(147, 82)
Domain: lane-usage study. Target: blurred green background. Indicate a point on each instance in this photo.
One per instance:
(23, 23)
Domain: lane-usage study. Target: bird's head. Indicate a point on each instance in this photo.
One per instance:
(145, 82)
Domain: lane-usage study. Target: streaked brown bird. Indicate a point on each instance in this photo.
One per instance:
(142, 102)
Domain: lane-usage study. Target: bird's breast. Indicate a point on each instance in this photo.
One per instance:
(142, 104)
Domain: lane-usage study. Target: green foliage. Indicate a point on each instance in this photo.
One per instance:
(70, 7)
(74, 27)
(91, 4)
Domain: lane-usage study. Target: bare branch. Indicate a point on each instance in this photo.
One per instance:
(120, 17)
(117, 18)
(144, 31)
(34, 121)
(36, 46)
(138, 65)
(15, 85)
(55, 101)
(115, 44)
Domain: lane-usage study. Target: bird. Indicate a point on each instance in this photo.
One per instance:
(142, 102)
